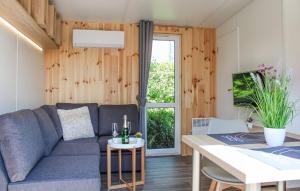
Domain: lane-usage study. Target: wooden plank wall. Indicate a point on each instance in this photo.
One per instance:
(110, 76)
(105, 76)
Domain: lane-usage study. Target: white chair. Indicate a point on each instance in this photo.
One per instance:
(220, 178)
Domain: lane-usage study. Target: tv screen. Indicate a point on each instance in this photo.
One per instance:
(242, 88)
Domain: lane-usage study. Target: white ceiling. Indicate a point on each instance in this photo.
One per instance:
(205, 13)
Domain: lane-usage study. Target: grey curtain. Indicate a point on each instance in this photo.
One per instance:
(145, 49)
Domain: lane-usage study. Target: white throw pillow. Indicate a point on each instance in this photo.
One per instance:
(76, 123)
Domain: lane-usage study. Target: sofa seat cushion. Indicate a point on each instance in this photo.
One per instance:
(52, 112)
(93, 109)
(72, 149)
(109, 114)
(84, 140)
(21, 143)
(48, 130)
(62, 173)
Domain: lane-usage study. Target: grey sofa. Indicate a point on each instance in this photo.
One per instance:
(35, 157)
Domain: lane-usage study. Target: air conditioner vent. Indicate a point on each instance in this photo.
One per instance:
(98, 38)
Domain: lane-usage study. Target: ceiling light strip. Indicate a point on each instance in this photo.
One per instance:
(8, 25)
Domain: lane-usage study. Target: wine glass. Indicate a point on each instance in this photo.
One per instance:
(115, 131)
(131, 139)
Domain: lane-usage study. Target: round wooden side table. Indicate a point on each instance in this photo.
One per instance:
(132, 146)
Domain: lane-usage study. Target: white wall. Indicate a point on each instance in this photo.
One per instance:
(291, 25)
(266, 31)
(8, 68)
(226, 65)
(256, 38)
(291, 31)
(21, 72)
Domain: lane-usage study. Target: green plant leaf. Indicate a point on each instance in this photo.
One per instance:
(272, 101)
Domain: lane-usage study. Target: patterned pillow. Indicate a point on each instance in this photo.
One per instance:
(76, 123)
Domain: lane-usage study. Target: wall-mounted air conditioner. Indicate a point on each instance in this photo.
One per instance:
(98, 39)
(200, 126)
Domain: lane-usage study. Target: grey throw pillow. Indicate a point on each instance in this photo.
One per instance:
(48, 130)
(76, 123)
(21, 143)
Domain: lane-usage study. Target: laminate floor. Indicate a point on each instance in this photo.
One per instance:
(172, 173)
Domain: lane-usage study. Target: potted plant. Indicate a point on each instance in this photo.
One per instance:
(138, 136)
(272, 104)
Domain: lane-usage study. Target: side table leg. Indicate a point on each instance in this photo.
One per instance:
(143, 165)
(133, 169)
(120, 164)
(108, 162)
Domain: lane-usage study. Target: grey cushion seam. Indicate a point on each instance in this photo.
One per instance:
(56, 180)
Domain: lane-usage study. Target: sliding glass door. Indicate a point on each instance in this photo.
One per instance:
(163, 95)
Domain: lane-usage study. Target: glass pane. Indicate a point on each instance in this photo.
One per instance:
(161, 83)
(160, 128)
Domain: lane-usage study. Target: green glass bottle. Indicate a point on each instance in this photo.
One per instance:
(125, 131)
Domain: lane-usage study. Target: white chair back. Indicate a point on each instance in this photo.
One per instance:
(221, 126)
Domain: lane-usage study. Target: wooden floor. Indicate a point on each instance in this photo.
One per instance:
(164, 173)
(172, 173)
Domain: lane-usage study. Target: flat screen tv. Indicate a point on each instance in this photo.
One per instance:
(242, 88)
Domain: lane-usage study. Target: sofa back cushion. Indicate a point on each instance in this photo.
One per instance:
(109, 114)
(48, 130)
(21, 143)
(93, 109)
(52, 112)
(3, 176)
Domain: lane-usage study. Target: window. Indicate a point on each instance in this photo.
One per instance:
(162, 109)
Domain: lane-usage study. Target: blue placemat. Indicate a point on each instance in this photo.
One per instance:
(245, 138)
(293, 152)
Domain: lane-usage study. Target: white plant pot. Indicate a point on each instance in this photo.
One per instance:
(274, 137)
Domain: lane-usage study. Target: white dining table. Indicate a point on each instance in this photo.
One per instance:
(251, 167)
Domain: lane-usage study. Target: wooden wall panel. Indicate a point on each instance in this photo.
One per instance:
(58, 30)
(27, 5)
(14, 12)
(51, 24)
(102, 75)
(110, 76)
(39, 10)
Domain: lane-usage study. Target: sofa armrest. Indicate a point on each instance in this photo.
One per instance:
(3, 176)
